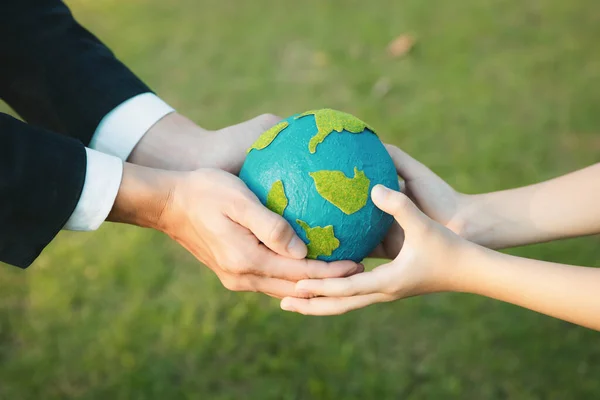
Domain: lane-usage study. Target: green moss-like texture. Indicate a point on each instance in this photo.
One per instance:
(276, 199)
(328, 120)
(268, 136)
(347, 194)
(321, 241)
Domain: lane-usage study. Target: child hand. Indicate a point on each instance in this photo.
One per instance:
(432, 195)
(428, 262)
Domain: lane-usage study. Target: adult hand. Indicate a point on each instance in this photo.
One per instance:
(176, 143)
(428, 262)
(222, 223)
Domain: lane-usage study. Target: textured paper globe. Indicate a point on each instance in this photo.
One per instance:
(317, 169)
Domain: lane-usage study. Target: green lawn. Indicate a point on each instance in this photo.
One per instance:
(495, 94)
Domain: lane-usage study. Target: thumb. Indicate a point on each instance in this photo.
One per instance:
(400, 206)
(270, 228)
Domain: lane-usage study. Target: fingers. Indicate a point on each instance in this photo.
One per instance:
(248, 256)
(398, 205)
(268, 227)
(255, 125)
(262, 122)
(330, 305)
(281, 267)
(406, 166)
(273, 287)
(366, 283)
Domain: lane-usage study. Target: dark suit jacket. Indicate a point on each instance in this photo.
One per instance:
(62, 81)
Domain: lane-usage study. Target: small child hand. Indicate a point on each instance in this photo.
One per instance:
(427, 263)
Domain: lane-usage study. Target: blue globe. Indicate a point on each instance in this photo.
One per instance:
(317, 169)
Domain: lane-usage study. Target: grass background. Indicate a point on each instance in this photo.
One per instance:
(495, 94)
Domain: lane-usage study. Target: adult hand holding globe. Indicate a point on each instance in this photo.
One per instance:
(317, 169)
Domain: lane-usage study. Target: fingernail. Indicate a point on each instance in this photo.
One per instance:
(286, 305)
(379, 192)
(297, 248)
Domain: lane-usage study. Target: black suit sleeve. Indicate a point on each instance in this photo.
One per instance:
(56, 74)
(41, 178)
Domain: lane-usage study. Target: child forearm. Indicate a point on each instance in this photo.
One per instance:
(567, 292)
(563, 207)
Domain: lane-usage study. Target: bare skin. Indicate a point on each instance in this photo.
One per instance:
(445, 244)
(181, 180)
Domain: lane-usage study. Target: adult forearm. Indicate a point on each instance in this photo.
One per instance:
(563, 207)
(174, 143)
(567, 292)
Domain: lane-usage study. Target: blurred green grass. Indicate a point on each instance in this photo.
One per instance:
(495, 94)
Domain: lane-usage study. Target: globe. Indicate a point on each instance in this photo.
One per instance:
(317, 169)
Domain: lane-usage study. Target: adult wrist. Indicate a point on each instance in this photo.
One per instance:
(171, 144)
(123, 127)
(144, 197)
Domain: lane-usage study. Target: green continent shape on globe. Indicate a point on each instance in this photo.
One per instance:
(276, 198)
(321, 241)
(328, 120)
(268, 136)
(347, 194)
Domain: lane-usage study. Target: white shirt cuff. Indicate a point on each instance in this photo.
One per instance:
(102, 182)
(122, 128)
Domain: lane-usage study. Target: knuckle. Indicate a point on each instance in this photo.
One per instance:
(239, 284)
(233, 285)
(424, 232)
(349, 287)
(238, 205)
(314, 270)
(402, 202)
(251, 262)
(280, 232)
(268, 120)
(388, 297)
(388, 291)
(238, 263)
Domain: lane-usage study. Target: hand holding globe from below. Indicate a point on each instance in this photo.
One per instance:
(436, 198)
(430, 261)
(234, 140)
(215, 217)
